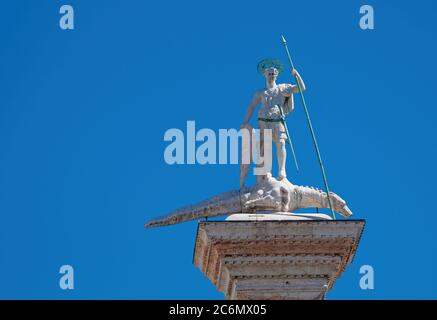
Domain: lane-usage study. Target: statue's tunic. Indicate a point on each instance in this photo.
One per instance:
(269, 114)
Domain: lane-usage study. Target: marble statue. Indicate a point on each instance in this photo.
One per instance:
(269, 195)
(276, 102)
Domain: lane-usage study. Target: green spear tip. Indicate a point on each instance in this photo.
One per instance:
(283, 40)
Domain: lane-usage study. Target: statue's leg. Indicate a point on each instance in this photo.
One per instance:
(282, 157)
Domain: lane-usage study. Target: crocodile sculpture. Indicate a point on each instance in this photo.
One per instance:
(267, 196)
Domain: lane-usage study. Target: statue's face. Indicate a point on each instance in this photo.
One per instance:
(271, 74)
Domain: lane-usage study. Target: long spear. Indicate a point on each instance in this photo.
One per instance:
(284, 42)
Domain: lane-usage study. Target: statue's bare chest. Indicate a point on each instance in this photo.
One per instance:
(272, 97)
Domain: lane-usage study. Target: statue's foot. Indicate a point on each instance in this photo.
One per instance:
(282, 175)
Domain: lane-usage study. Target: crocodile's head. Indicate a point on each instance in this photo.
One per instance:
(340, 205)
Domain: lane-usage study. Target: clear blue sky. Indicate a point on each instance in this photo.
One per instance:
(83, 115)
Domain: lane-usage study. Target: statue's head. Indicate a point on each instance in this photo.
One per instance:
(270, 69)
(271, 74)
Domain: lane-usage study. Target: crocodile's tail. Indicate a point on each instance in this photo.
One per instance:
(222, 204)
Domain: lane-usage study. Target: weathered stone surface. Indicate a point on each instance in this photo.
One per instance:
(268, 196)
(276, 259)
